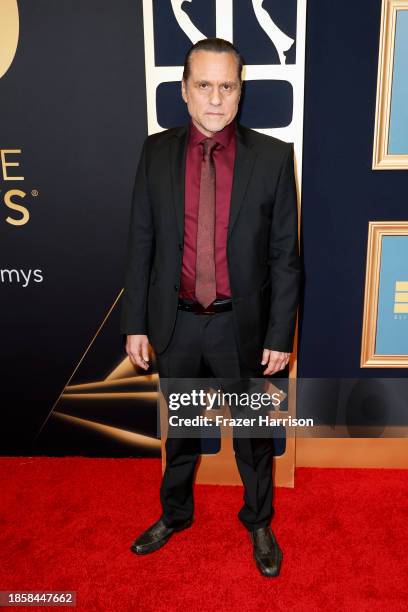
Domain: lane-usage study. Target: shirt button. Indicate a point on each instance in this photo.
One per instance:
(180, 247)
(176, 287)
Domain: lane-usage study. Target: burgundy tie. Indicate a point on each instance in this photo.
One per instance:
(205, 288)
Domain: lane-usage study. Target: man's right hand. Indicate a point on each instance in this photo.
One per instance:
(137, 348)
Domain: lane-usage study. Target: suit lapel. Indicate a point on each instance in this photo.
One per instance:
(177, 152)
(244, 162)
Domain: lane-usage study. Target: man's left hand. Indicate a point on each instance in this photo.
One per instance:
(275, 360)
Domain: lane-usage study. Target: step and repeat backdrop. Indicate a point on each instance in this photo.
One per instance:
(81, 85)
(354, 311)
(72, 121)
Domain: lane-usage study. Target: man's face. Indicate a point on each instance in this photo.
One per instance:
(212, 91)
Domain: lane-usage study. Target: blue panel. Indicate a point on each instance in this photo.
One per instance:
(255, 44)
(171, 108)
(170, 42)
(212, 446)
(398, 136)
(265, 104)
(253, 41)
(392, 329)
(279, 443)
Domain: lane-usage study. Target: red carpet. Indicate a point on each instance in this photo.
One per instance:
(67, 523)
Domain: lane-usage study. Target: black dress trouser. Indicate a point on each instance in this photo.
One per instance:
(201, 343)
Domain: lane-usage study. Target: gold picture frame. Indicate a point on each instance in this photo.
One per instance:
(382, 159)
(369, 358)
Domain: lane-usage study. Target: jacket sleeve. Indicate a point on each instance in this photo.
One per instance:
(284, 261)
(138, 256)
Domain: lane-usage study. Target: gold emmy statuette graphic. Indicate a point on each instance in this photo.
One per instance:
(9, 30)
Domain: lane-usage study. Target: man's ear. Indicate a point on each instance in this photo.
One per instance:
(184, 90)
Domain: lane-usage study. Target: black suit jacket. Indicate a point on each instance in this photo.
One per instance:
(262, 245)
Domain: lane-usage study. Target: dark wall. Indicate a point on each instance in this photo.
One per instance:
(74, 102)
(341, 193)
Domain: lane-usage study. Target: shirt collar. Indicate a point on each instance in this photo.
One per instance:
(223, 137)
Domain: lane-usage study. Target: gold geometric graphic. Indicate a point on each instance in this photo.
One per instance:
(401, 297)
(9, 31)
(110, 407)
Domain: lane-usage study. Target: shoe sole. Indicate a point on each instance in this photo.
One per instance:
(157, 545)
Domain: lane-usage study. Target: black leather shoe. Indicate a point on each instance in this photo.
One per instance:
(155, 537)
(267, 554)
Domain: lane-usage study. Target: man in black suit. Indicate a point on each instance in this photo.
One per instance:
(212, 275)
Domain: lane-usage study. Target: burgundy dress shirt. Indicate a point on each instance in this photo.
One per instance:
(224, 157)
